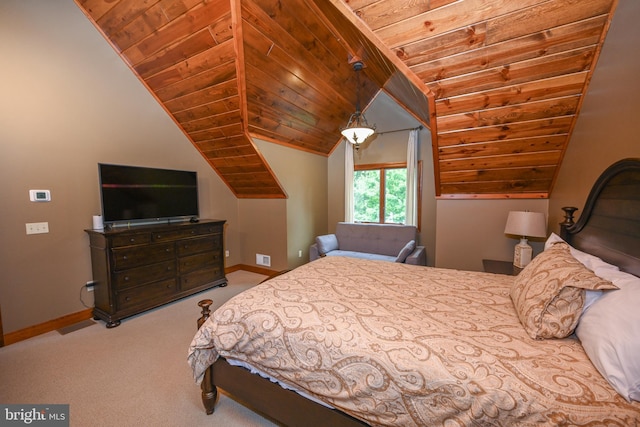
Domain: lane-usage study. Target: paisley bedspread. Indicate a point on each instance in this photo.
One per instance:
(401, 345)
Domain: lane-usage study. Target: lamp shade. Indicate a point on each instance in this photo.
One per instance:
(526, 224)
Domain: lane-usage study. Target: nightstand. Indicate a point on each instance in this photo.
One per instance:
(500, 267)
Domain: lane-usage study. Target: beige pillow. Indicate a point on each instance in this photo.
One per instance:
(548, 294)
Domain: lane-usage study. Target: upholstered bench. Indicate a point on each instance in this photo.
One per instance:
(386, 242)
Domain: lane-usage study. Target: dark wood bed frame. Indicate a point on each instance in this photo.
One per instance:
(609, 228)
(282, 406)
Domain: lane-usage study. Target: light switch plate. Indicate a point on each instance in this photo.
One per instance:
(37, 227)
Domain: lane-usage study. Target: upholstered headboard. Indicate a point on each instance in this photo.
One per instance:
(609, 226)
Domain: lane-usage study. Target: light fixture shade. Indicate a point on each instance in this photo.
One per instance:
(357, 134)
(358, 129)
(526, 224)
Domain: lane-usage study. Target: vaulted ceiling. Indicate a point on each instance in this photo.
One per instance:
(499, 83)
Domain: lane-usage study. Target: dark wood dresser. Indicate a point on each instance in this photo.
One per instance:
(140, 268)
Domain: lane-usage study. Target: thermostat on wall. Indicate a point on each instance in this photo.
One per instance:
(40, 195)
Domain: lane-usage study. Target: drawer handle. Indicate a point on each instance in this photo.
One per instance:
(159, 236)
(124, 257)
(132, 239)
(169, 286)
(126, 278)
(186, 246)
(169, 268)
(167, 250)
(127, 299)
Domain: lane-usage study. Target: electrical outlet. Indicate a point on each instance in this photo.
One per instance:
(300, 253)
(89, 285)
(226, 254)
(37, 227)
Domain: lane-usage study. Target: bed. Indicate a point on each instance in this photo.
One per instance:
(346, 342)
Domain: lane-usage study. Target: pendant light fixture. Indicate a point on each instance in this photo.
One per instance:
(357, 129)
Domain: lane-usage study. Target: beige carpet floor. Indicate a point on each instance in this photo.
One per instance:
(132, 375)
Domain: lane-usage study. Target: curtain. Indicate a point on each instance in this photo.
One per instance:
(412, 178)
(348, 181)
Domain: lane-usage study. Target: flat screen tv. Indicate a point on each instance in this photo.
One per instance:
(134, 194)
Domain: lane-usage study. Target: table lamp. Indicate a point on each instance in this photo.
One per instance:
(525, 224)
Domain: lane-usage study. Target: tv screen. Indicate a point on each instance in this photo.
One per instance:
(133, 193)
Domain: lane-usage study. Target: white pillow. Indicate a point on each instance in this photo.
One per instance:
(592, 262)
(610, 333)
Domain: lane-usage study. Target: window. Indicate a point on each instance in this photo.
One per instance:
(380, 193)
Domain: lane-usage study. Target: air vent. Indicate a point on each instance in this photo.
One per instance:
(263, 260)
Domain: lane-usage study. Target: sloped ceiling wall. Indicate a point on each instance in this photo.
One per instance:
(498, 82)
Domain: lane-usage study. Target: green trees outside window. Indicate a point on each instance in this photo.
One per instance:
(380, 193)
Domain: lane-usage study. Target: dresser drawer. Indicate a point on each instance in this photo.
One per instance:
(130, 239)
(136, 256)
(200, 277)
(145, 295)
(198, 261)
(168, 235)
(201, 244)
(145, 274)
(201, 229)
(188, 231)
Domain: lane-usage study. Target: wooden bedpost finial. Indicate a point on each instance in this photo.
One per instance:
(568, 221)
(204, 304)
(568, 216)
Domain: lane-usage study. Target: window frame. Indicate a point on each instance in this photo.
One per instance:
(381, 167)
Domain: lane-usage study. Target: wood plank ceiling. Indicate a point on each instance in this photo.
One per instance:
(498, 82)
